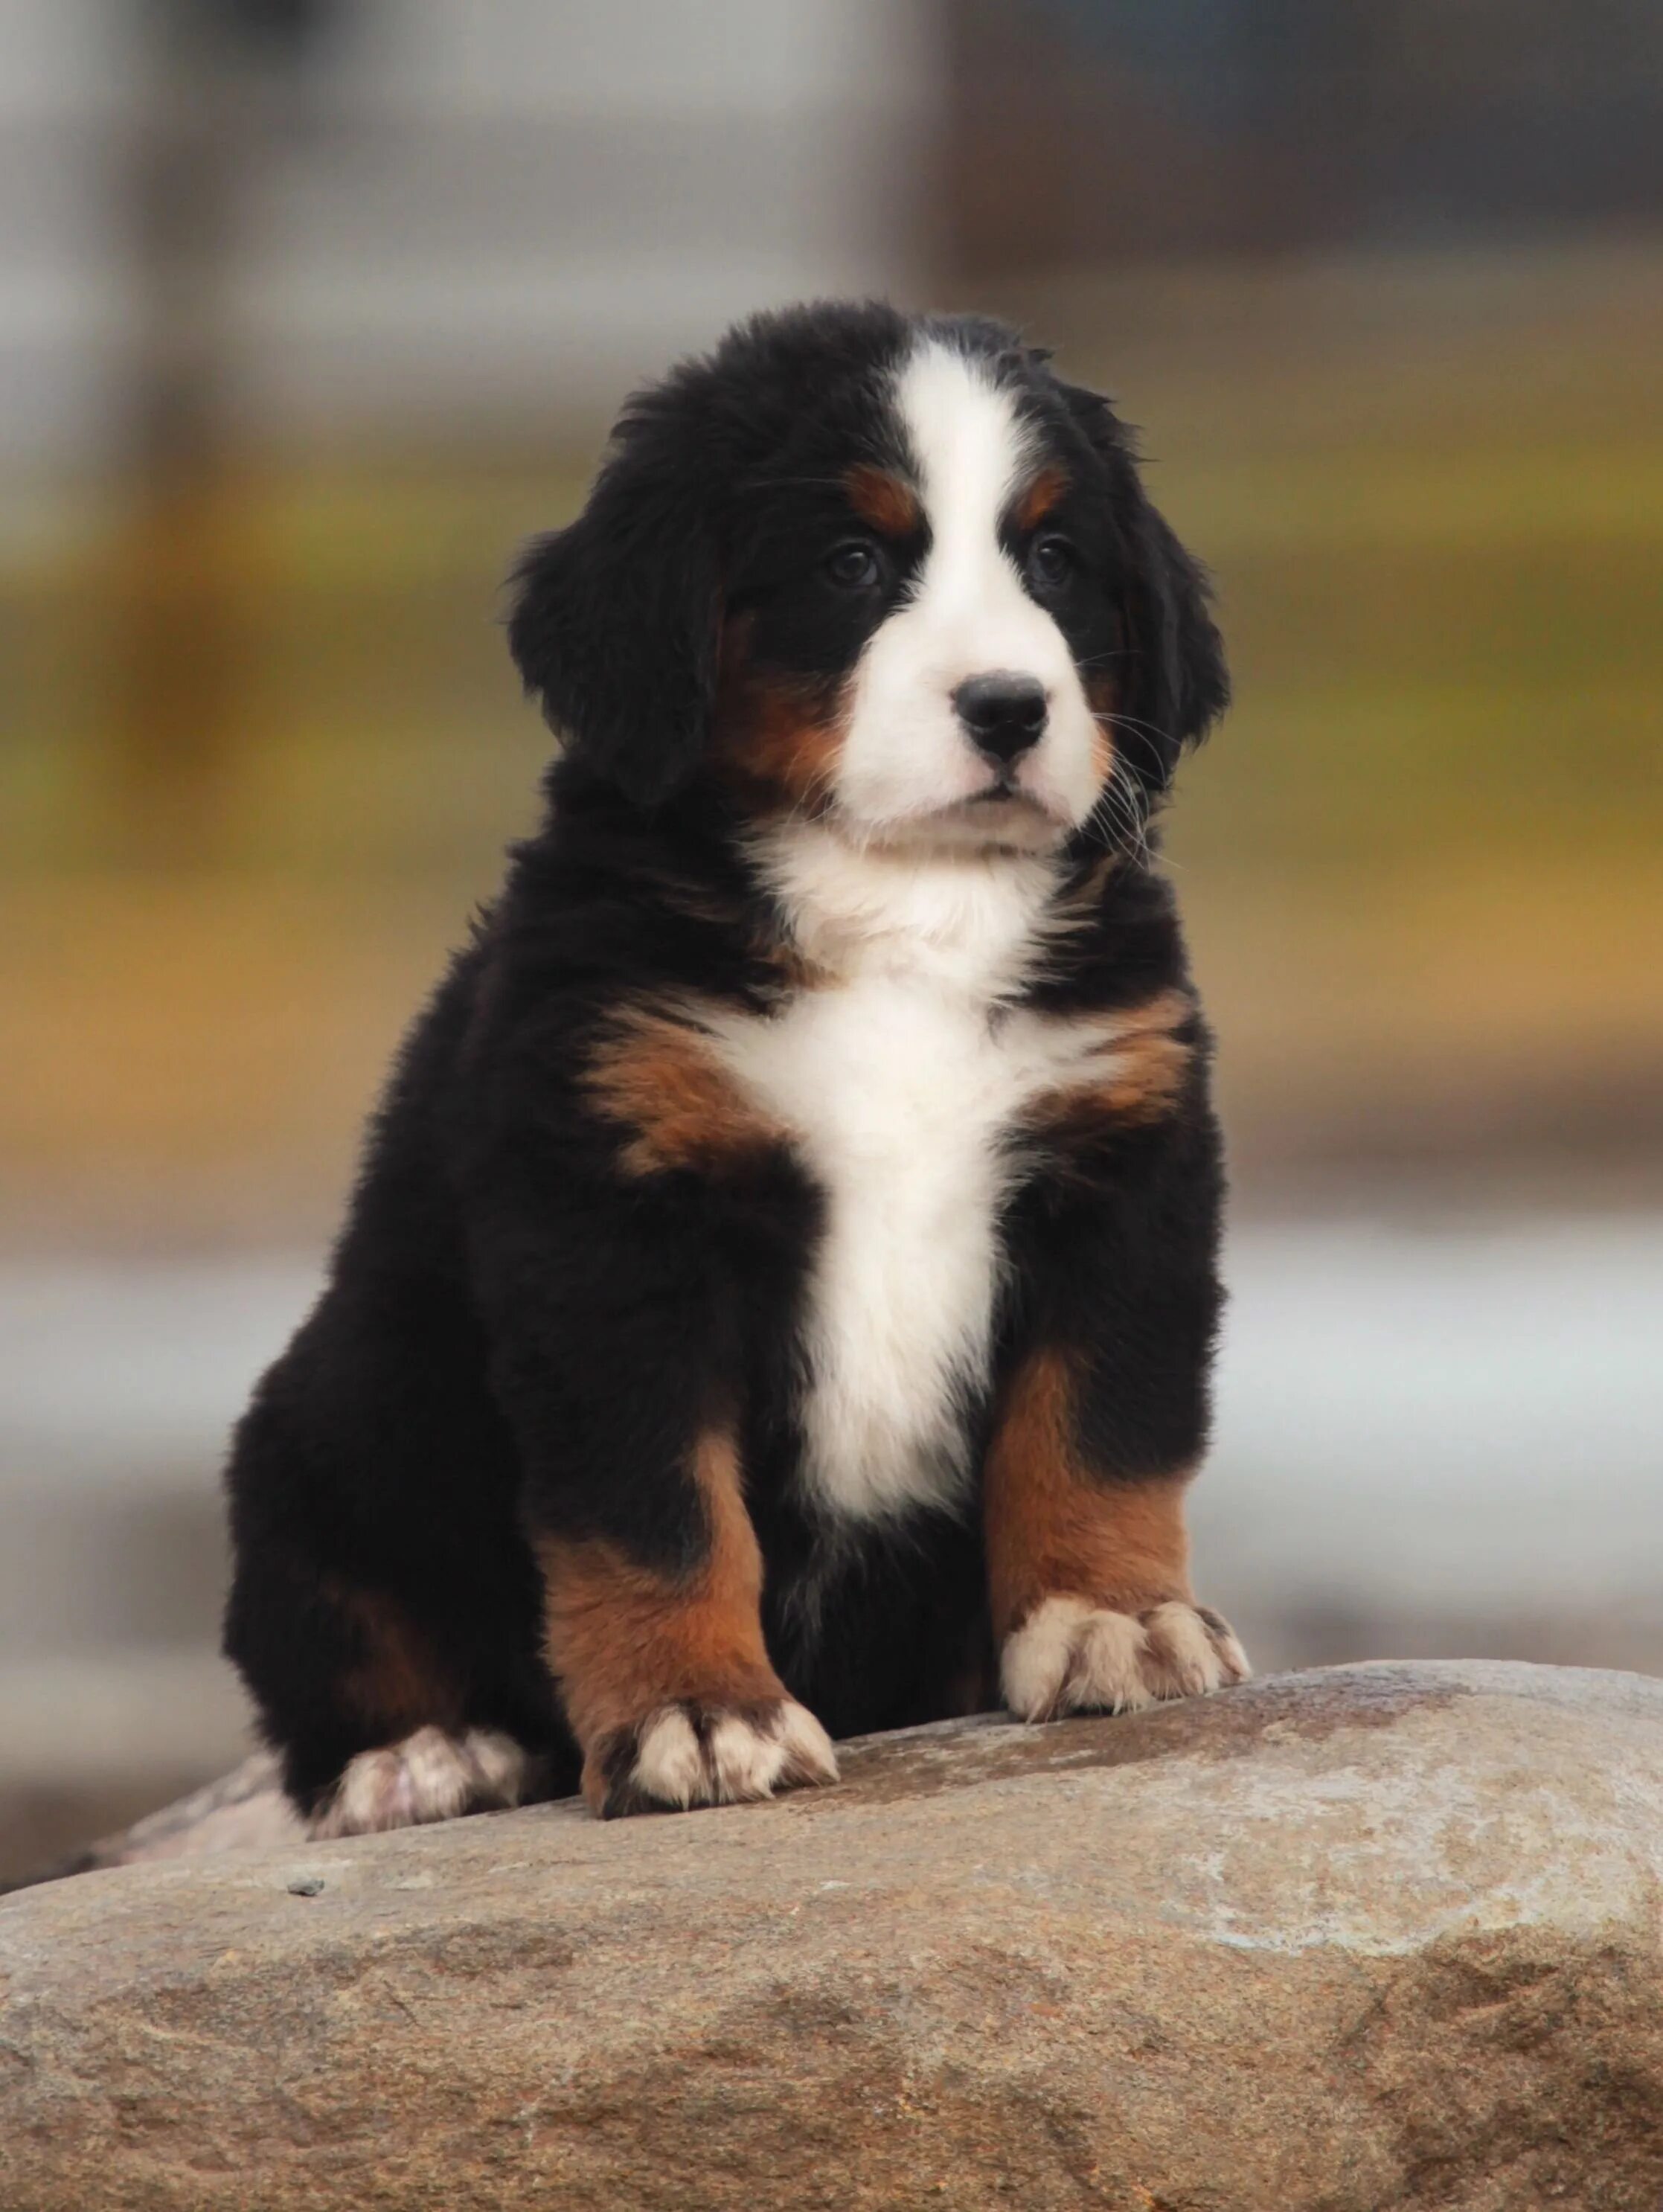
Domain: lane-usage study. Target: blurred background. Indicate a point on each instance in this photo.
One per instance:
(310, 309)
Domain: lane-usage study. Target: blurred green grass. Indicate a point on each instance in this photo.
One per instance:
(1451, 654)
(1432, 653)
(1420, 859)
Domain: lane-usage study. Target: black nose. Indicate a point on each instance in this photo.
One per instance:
(1003, 713)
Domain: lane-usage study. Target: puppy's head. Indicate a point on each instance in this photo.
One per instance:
(890, 572)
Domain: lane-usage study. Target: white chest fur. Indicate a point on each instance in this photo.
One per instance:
(897, 1078)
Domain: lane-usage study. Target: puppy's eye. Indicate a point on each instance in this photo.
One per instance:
(854, 565)
(1051, 561)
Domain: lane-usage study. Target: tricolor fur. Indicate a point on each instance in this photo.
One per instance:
(779, 1297)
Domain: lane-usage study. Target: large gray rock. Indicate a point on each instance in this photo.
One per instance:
(1370, 1937)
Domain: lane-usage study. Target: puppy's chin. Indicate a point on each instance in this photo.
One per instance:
(996, 821)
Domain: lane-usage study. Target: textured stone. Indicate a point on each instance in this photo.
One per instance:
(1369, 1937)
(243, 1808)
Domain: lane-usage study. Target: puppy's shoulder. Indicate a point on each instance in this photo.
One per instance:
(1116, 939)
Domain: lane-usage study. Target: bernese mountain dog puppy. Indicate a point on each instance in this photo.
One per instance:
(778, 1296)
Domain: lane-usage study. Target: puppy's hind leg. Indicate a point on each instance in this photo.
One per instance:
(432, 1774)
(379, 1723)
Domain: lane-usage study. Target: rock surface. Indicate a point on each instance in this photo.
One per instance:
(1368, 1937)
(243, 1810)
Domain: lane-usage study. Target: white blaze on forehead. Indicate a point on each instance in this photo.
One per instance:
(972, 454)
(906, 756)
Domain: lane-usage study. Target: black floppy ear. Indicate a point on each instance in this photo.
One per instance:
(615, 620)
(1176, 683)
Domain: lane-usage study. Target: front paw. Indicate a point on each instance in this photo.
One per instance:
(1071, 1656)
(695, 1753)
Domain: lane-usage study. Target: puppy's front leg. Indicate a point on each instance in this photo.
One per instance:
(1104, 1412)
(1088, 1569)
(660, 1663)
(614, 1353)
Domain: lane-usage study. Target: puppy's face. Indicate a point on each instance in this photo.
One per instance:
(926, 649)
(889, 572)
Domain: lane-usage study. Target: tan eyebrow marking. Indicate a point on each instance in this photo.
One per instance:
(890, 504)
(1041, 496)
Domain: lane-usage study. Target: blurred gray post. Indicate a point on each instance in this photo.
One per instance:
(216, 69)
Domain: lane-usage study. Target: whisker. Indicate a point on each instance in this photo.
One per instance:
(1126, 733)
(1127, 803)
(1136, 724)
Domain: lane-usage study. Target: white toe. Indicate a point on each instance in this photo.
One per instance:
(669, 1765)
(499, 1766)
(430, 1776)
(745, 1763)
(1071, 1657)
(1182, 1654)
(1036, 1660)
(808, 1749)
(1238, 1668)
(439, 1775)
(1107, 1675)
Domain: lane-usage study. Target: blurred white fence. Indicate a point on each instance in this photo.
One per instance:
(468, 215)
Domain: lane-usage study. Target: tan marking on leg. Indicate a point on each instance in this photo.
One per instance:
(398, 1682)
(1054, 1528)
(1088, 1579)
(658, 1076)
(646, 1661)
(622, 1639)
